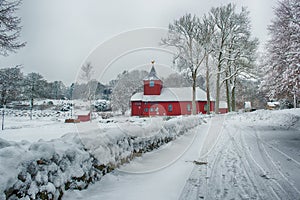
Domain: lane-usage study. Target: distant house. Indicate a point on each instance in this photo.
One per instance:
(273, 105)
(158, 100)
(223, 108)
(83, 116)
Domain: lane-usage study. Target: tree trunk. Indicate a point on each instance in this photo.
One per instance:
(207, 86)
(31, 107)
(91, 110)
(3, 97)
(3, 115)
(217, 94)
(233, 99)
(218, 83)
(295, 100)
(233, 103)
(228, 82)
(194, 111)
(228, 94)
(219, 68)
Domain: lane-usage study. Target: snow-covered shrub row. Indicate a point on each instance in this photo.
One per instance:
(44, 170)
(114, 145)
(35, 113)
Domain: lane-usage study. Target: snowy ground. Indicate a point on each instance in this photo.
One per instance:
(45, 157)
(156, 175)
(234, 156)
(47, 128)
(241, 156)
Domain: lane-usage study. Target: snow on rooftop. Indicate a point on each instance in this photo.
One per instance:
(223, 104)
(172, 94)
(273, 104)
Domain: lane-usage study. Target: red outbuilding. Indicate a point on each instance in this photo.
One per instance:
(83, 116)
(158, 100)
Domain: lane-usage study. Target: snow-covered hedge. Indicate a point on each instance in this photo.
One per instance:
(44, 170)
(36, 113)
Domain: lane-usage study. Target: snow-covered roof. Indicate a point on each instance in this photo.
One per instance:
(223, 104)
(172, 94)
(81, 112)
(273, 104)
(152, 75)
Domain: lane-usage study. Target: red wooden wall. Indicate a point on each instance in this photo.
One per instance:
(155, 89)
(139, 108)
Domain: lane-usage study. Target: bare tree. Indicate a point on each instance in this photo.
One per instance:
(233, 49)
(208, 31)
(128, 83)
(187, 36)
(220, 17)
(240, 56)
(56, 90)
(9, 27)
(176, 80)
(86, 75)
(282, 71)
(34, 85)
(10, 81)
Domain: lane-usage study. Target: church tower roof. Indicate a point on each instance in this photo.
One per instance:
(152, 74)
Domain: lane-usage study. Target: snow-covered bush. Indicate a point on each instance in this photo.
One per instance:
(44, 170)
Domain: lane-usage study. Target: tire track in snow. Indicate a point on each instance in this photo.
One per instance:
(232, 172)
(281, 185)
(225, 177)
(255, 172)
(260, 170)
(235, 181)
(196, 185)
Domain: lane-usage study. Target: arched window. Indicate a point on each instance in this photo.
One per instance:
(170, 108)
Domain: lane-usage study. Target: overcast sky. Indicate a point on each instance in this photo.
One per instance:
(61, 35)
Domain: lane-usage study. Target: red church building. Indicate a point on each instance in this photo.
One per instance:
(158, 100)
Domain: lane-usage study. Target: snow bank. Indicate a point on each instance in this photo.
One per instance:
(289, 118)
(44, 170)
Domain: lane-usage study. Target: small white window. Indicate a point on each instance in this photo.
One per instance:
(151, 83)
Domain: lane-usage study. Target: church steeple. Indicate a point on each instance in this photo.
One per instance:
(152, 74)
(152, 83)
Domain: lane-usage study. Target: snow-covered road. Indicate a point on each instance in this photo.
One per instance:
(160, 174)
(247, 156)
(249, 161)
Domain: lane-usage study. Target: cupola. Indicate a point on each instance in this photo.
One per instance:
(152, 83)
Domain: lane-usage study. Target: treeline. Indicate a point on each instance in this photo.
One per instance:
(17, 86)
